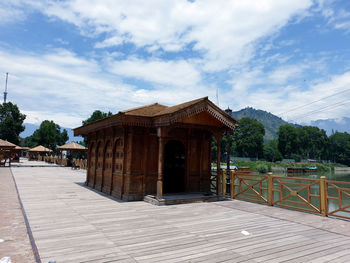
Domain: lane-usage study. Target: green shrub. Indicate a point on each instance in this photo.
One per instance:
(262, 168)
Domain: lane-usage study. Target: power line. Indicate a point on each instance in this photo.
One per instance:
(332, 106)
(299, 107)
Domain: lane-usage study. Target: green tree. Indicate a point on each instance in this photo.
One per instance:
(271, 152)
(11, 122)
(340, 147)
(49, 135)
(287, 140)
(303, 142)
(312, 142)
(248, 138)
(28, 142)
(95, 116)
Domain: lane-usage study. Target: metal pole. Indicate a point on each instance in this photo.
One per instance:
(5, 93)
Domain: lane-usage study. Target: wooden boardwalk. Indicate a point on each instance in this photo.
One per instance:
(72, 223)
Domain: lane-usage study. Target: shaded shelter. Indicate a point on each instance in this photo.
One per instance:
(38, 150)
(155, 149)
(73, 150)
(16, 154)
(25, 151)
(6, 151)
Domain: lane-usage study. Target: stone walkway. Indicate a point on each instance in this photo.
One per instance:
(72, 223)
(14, 240)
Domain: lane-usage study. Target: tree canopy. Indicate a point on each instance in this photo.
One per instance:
(11, 122)
(49, 135)
(306, 142)
(248, 138)
(340, 147)
(271, 152)
(96, 115)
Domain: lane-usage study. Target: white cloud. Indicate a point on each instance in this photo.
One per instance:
(9, 12)
(64, 120)
(219, 36)
(170, 73)
(61, 86)
(224, 32)
(60, 83)
(17, 10)
(337, 16)
(286, 73)
(290, 100)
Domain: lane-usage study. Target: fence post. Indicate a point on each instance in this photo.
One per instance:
(223, 182)
(270, 189)
(323, 196)
(232, 184)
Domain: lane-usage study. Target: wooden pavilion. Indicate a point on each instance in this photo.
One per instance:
(36, 151)
(17, 152)
(6, 151)
(155, 149)
(73, 147)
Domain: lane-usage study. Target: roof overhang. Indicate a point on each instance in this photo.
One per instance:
(176, 114)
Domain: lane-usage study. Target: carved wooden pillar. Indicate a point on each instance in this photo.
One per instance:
(218, 168)
(145, 163)
(160, 133)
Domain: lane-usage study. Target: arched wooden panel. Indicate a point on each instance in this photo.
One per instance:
(99, 166)
(107, 168)
(92, 163)
(118, 163)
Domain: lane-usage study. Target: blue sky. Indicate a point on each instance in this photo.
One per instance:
(68, 58)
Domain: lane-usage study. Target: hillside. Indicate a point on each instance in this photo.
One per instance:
(271, 122)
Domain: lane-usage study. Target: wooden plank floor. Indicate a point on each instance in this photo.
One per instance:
(72, 223)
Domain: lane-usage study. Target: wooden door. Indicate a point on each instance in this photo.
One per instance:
(174, 167)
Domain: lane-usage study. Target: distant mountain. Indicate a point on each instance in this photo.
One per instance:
(30, 128)
(271, 122)
(329, 125)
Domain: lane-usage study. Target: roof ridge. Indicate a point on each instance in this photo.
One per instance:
(143, 106)
(185, 104)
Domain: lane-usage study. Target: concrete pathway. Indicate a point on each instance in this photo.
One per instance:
(24, 162)
(72, 223)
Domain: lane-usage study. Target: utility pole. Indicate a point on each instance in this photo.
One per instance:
(217, 96)
(5, 93)
(228, 152)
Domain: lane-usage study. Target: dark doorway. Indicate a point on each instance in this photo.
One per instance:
(174, 167)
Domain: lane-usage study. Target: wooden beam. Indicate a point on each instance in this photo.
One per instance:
(188, 156)
(160, 133)
(218, 168)
(145, 161)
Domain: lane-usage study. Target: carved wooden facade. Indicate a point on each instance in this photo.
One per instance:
(154, 149)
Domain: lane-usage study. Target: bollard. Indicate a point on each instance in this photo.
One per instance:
(232, 184)
(270, 189)
(223, 182)
(323, 196)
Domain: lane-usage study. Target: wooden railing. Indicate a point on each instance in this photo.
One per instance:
(77, 163)
(341, 192)
(320, 196)
(213, 182)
